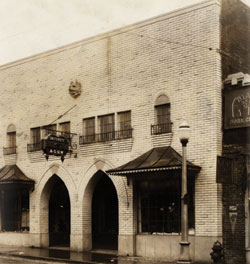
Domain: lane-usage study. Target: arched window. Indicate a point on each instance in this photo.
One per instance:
(162, 116)
(11, 140)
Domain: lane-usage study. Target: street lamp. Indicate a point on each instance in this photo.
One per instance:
(184, 132)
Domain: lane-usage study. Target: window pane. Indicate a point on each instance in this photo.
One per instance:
(107, 128)
(163, 114)
(35, 135)
(107, 123)
(160, 206)
(124, 120)
(11, 138)
(65, 127)
(89, 130)
(50, 129)
(89, 126)
(15, 211)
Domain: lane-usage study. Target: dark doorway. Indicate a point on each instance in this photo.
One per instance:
(105, 215)
(59, 214)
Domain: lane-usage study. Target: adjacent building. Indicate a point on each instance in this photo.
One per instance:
(91, 154)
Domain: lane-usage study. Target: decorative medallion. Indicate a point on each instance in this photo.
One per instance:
(75, 89)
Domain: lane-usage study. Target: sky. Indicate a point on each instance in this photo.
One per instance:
(29, 27)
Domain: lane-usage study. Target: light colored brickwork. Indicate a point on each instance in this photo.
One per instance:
(175, 54)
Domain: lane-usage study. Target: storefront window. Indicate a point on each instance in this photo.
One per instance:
(14, 211)
(160, 206)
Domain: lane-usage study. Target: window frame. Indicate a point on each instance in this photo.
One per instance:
(106, 131)
(174, 211)
(162, 113)
(89, 137)
(124, 126)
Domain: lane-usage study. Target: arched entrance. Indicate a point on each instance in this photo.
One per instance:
(104, 215)
(59, 214)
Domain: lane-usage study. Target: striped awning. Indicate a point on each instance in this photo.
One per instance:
(156, 159)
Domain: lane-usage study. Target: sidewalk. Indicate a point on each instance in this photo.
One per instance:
(66, 256)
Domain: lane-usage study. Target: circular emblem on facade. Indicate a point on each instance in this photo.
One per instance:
(75, 89)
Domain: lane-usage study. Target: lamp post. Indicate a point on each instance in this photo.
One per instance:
(184, 132)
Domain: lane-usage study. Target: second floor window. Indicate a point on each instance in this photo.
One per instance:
(107, 127)
(65, 129)
(89, 130)
(124, 119)
(11, 141)
(49, 129)
(35, 139)
(35, 135)
(162, 116)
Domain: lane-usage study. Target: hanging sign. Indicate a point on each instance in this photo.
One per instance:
(237, 108)
(55, 145)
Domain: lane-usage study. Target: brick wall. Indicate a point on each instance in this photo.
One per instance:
(122, 70)
(236, 146)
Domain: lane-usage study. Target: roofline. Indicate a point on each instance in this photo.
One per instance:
(152, 20)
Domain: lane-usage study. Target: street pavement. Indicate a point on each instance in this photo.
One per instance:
(22, 255)
(11, 260)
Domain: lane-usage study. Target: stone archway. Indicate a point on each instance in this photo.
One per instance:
(125, 206)
(41, 197)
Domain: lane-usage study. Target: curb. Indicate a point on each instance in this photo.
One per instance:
(59, 260)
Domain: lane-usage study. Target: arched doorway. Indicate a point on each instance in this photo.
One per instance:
(59, 214)
(104, 215)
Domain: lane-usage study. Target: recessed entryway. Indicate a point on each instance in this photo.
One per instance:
(59, 214)
(104, 215)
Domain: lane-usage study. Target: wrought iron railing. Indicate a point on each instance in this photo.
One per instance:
(108, 136)
(9, 150)
(34, 147)
(161, 128)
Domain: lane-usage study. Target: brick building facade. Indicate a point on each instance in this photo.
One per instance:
(121, 95)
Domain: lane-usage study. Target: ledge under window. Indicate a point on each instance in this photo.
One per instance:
(9, 150)
(34, 147)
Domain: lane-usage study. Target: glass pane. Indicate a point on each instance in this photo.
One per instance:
(65, 127)
(124, 120)
(11, 137)
(160, 206)
(163, 114)
(35, 135)
(107, 123)
(89, 126)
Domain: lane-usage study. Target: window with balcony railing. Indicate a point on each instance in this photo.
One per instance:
(88, 130)
(104, 137)
(65, 129)
(107, 128)
(162, 112)
(35, 140)
(124, 119)
(11, 141)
